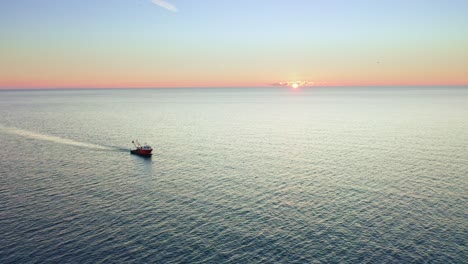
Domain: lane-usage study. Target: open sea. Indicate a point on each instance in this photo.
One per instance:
(251, 175)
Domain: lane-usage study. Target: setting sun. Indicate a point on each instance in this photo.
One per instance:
(295, 85)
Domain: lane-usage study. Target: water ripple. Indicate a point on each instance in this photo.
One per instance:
(237, 177)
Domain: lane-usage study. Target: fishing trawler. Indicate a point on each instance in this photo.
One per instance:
(141, 150)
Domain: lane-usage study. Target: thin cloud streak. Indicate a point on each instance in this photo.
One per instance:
(165, 5)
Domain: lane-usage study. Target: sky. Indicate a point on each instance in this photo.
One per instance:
(221, 43)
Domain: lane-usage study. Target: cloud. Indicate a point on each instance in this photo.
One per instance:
(300, 83)
(165, 5)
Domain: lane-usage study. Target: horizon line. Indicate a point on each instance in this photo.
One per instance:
(226, 87)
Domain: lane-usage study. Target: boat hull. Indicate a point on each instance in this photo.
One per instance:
(141, 152)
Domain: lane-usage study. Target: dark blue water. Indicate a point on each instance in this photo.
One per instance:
(331, 175)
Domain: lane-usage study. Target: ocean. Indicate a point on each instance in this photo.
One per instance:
(238, 175)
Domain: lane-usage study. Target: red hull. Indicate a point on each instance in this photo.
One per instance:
(143, 152)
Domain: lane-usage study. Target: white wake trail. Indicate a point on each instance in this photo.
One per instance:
(34, 135)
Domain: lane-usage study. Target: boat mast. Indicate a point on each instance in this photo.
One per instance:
(136, 144)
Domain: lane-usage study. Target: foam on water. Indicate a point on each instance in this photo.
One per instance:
(59, 140)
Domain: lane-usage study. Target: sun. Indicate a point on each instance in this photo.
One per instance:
(295, 85)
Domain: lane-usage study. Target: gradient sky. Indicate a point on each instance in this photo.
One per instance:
(185, 43)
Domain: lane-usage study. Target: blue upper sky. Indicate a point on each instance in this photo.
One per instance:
(272, 40)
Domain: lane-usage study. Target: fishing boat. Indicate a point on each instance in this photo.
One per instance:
(141, 150)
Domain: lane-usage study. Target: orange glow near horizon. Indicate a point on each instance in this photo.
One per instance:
(97, 76)
(48, 84)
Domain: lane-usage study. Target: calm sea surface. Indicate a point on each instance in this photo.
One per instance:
(261, 175)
